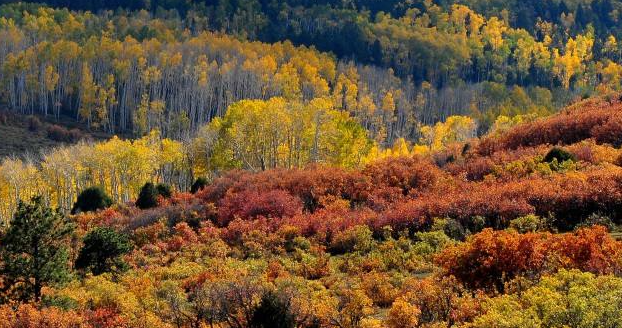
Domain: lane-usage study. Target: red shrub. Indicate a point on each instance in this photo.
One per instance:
(377, 186)
(592, 250)
(61, 134)
(324, 223)
(572, 197)
(183, 235)
(475, 168)
(106, 217)
(309, 185)
(237, 228)
(253, 204)
(407, 173)
(583, 152)
(34, 124)
(106, 318)
(569, 198)
(600, 120)
(610, 132)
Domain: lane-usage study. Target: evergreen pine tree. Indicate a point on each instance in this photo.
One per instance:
(35, 250)
(102, 250)
(272, 312)
(164, 190)
(199, 184)
(91, 199)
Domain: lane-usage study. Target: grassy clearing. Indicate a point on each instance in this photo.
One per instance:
(17, 138)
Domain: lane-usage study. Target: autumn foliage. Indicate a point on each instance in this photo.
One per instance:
(490, 259)
(28, 316)
(448, 239)
(593, 118)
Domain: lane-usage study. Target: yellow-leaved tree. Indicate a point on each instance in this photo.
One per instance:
(119, 166)
(454, 129)
(259, 135)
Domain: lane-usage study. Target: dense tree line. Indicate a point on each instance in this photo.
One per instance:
(97, 70)
(136, 72)
(247, 137)
(358, 29)
(567, 15)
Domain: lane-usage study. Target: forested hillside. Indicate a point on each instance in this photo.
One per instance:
(310, 164)
(511, 230)
(136, 71)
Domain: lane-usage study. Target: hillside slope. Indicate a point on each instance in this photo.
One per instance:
(18, 140)
(458, 238)
(21, 135)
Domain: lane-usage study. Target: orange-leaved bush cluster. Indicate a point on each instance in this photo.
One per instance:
(491, 258)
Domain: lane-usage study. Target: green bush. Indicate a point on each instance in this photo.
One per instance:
(452, 228)
(272, 312)
(62, 302)
(164, 190)
(355, 239)
(102, 250)
(559, 154)
(91, 199)
(199, 184)
(429, 243)
(597, 219)
(528, 223)
(148, 196)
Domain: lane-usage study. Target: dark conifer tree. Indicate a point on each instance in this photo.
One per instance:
(35, 251)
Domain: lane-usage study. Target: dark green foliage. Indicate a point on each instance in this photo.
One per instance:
(164, 190)
(272, 312)
(62, 302)
(454, 230)
(199, 184)
(466, 148)
(559, 154)
(148, 197)
(475, 224)
(91, 199)
(35, 251)
(597, 219)
(102, 250)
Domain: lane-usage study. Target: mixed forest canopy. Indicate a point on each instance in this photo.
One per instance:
(393, 67)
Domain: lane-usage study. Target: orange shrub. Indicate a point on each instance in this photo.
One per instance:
(27, 316)
(491, 258)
